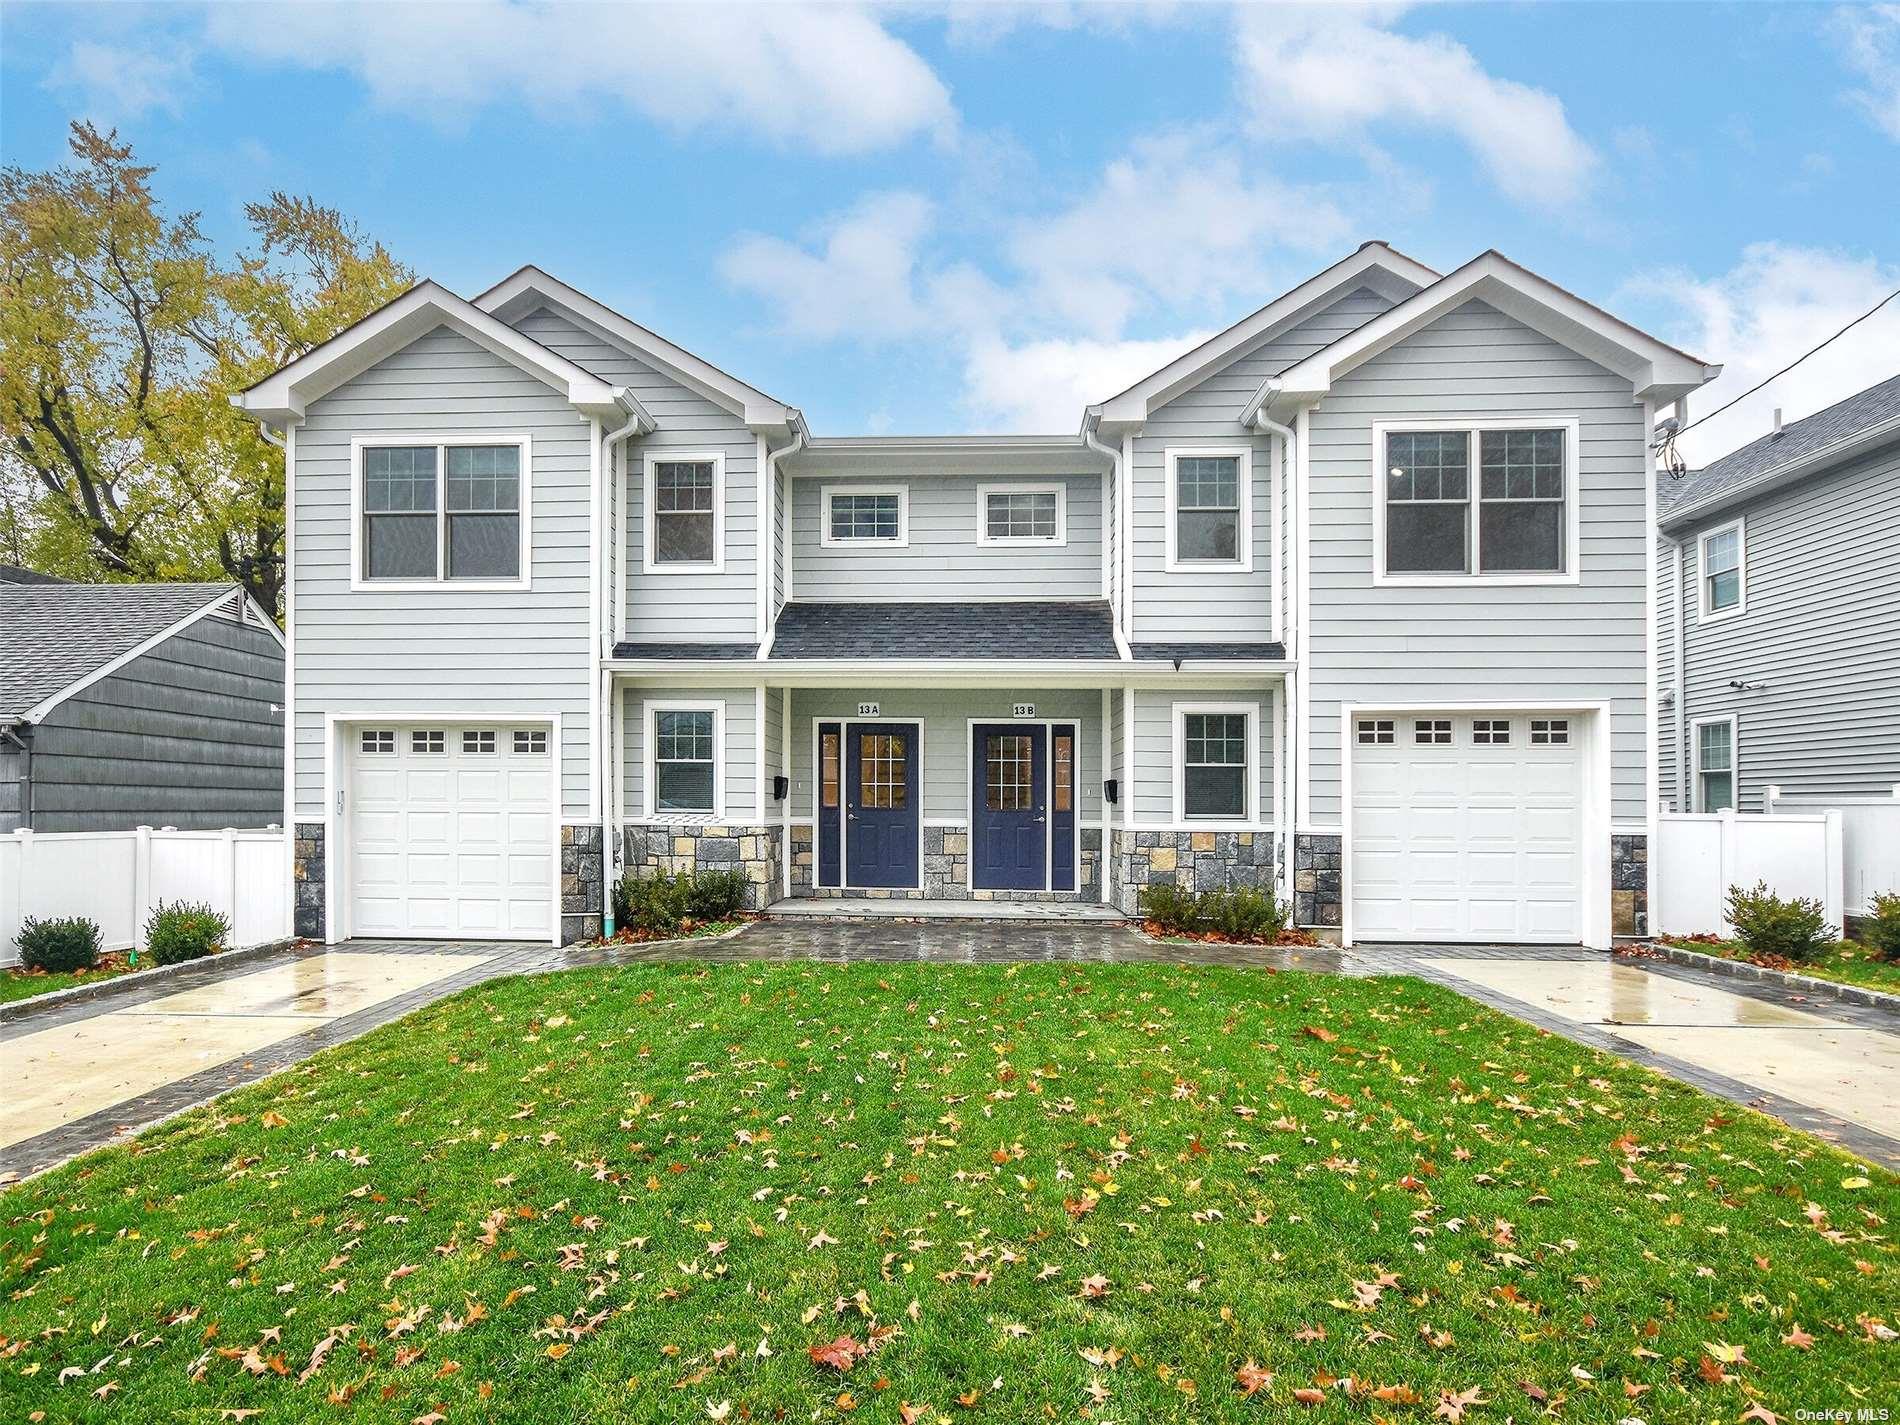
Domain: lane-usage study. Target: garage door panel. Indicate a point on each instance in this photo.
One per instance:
(1553, 919)
(1550, 777)
(1431, 777)
(1376, 915)
(430, 869)
(1436, 915)
(478, 828)
(1490, 870)
(529, 784)
(1493, 918)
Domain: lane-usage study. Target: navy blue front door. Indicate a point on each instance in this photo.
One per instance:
(881, 811)
(1009, 829)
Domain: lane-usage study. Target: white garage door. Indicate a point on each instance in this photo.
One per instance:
(1467, 827)
(451, 831)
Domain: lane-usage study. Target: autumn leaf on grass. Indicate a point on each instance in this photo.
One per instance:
(1320, 1032)
(1251, 1378)
(1095, 1287)
(1762, 1413)
(1798, 1338)
(840, 1355)
(1308, 1395)
(274, 1119)
(1452, 1405)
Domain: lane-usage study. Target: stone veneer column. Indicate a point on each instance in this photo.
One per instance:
(1629, 885)
(1317, 880)
(583, 882)
(308, 864)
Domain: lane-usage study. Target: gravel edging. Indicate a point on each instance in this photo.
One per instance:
(137, 979)
(1782, 979)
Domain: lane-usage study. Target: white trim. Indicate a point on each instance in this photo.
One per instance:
(598, 677)
(1652, 699)
(337, 853)
(106, 670)
(1251, 813)
(650, 460)
(1220, 673)
(758, 741)
(1048, 726)
(1474, 427)
(844, 797)
(1734, 761)
(1125, 546)
(290, 673)
(442, 583)
(1058, 488)
(785, 807)
(1106, 895)
(1300, 693)
(1703, 613)
(652, 706)
(825, 494)
(1173, 564)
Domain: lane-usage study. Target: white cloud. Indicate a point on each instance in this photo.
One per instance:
(1335, 72)
(118, 82)
(1774, 304)
(1871, 37)
(824, 77)
(1043, 385)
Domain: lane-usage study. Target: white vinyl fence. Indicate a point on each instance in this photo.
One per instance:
(1870, 836)
(1699, 855)
(116, 878)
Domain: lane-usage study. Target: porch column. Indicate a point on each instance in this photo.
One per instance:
(785, 807)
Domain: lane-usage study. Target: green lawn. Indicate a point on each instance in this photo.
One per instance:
(652, 1193)
(1849, 962)
(24, 984)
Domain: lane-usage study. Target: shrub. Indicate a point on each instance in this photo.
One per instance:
(1170, 907)
(184, 930)
(59, 946)
(662, 903)
(1242, 914)
(1881, 930)
(717, 895)
(1767, 925)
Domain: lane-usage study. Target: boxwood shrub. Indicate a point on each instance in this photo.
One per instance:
(184, 930)
(59, 946)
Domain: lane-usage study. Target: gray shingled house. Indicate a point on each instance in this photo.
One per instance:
(124, 705)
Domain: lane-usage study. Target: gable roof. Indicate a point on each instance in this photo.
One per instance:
(14, 574)
(1658, 371)
(54, 637)
(1374, 264)
(529, 287)
(1845, 429)
(286, 394)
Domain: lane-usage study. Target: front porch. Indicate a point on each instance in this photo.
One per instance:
(865, 907)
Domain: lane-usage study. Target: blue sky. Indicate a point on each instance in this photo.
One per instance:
(976, 217)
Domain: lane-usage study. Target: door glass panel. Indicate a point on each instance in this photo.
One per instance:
(882, 763)
(1009, 774)
(828, 769)
(1064, 772)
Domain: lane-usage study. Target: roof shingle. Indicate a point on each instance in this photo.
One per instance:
(52, 635)
(995, 629)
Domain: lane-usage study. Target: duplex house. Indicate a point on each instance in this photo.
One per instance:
(1779, 599)
(1352, 601)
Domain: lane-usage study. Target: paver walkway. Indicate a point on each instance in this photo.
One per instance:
(83, 1074)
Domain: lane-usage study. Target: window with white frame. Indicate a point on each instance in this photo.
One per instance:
(1375, 731)
(686, 495)
(1431, 731)
(530, 741)
(685, 763)
(1715, 765)
(378, 741)
(478, 740)
(1550, 731)
(865, 515)
(1208, 499)
(440, 512)
(1721, 559)
(1020, 514)
(1517, 520)
(429, 741)
(1491, 731)
(1214, 760)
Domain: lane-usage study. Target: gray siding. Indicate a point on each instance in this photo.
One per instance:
(739, 771)
(515, 654)
(1220, 605)
(1478, 642)
(12, 803)
(943, 552)
(1153, 792)
(185, 735)
(687, 608)
(1820, 627)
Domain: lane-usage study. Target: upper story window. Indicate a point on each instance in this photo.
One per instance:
(1213, 760)
(1020, 514)
(687, 495)
(1516, 522)
(864, 514)
(684, 767)
(1721, 556)
(1208, 501)
(433, 512)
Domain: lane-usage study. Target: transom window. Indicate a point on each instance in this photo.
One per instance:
(866, 516)
(530, 740)
(478, 740)
(436, 512)
(1550, 731)
(1020, 515)
(1207, 509)
(1517, 518)
(686, 503)
(883, 759)
(1430, 731)
(430, 740)
(1214, 764)
(1722, 571)
(1715, 765)
(378, 741)
(685, 767)
(1491, 732)
(1375, 731)
(1009, 773)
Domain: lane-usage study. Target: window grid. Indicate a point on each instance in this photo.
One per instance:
(1550, 731)
(882, 760)
(478, 740)
(1214, 765)
(684, 775)
(1722, 569)
(378, 741)
(865, 517)
(685, 512)
(441, 513)
(430, 741)
(530, 740)
(1375, 731)
(1715, 766)
(1431, 731)
(1491, 732)
(1020, 514)
(1010, 773)
(1516, 522)
(1207, 509)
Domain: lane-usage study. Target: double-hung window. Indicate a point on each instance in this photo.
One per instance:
(684, 768)
(1020, 514)
(1715, 765)
(866, 515)
(1478, 501)
(1720, 555)
(1213, 750)
(1208, 504)
(439, 512)
(686, 494)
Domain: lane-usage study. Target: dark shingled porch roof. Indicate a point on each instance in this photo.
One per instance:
(1027, 630)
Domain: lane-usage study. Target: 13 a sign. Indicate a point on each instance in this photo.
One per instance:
(870, 710)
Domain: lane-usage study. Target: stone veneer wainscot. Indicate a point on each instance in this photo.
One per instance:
(695, 846)
(946, 872)
(1192, 860)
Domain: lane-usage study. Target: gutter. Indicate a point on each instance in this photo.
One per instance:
(1121, 494)
(638, 422)
(1256, 417)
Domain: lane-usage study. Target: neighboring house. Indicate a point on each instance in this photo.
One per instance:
(1352, 600)
(1778, 599)
(125, 705)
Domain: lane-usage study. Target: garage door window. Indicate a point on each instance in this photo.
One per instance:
(1375, 732)
(1430, 731)
(685, 760)
(379, 741)
(530, 740)
(1491, 732)
(427, 741)
(478, 740)
(1550, 731)
(1213, 752)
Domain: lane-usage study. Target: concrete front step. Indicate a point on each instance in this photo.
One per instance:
(841, 908)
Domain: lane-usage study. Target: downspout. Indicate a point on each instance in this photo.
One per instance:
(1289, 514)
(772, 459)
(1685, 799)
(609, 833)
(1115, 459)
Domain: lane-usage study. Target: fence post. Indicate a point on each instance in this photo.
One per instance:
(1728, 837)
(1769, 798)
(13, 898)
(1835, 890)
(228, 870)
(141, 884)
